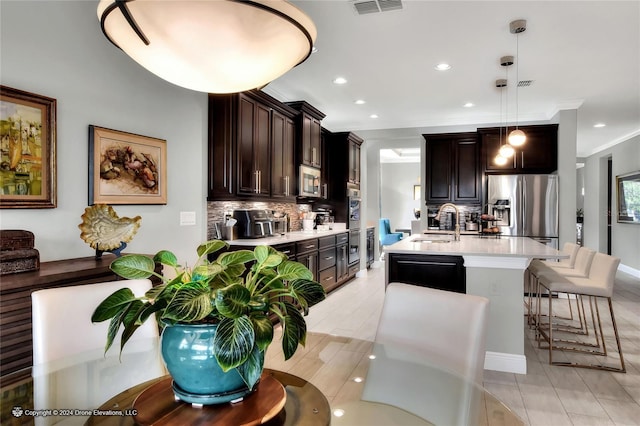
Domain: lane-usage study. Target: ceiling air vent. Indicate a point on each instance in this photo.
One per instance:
(525, 83)
(374, 6)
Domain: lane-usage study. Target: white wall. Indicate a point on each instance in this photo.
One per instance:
(56, 49)
(625, 237)
(567, 134)
(396, 197)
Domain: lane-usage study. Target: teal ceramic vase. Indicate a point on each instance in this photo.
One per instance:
(187, 350)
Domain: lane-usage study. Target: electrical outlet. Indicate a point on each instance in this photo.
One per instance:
(187, 218)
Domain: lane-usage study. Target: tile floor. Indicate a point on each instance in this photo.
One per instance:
(547, 395)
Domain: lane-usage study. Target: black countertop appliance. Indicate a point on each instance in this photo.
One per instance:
(253, 223)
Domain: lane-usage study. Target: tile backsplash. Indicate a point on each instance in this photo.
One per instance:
(217, 209)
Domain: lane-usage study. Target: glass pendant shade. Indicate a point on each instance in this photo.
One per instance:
(517, 138)
(214, 46)
(500, 160)
(507, 151)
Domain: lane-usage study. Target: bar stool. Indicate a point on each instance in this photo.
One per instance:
(577, 264)
(598, 284)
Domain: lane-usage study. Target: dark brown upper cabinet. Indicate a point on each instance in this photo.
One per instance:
(538, 155)
(251, 147)
(309, 126)
(453, 170)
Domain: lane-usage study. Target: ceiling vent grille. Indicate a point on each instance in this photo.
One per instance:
(364, 7)
(525, 83)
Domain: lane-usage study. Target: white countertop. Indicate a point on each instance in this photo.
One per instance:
(474, 245)
(289, 237)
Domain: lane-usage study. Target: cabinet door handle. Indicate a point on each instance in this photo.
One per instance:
(329, 278)
(328, 258)
(286, 185)
(260, 180)
(257, 187)
(324, 193)
(285, 251)
(310, 246)
(313, 156)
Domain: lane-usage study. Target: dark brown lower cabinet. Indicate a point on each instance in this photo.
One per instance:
(435, 271)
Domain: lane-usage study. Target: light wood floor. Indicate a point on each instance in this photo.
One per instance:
(546, 395)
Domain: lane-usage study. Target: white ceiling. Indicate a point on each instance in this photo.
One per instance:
(579, 54)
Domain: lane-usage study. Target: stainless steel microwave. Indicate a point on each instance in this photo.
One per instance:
(309, 182)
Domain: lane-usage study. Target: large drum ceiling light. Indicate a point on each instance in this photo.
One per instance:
(214, 46)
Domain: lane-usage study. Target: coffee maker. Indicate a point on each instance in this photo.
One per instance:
(323, 216)
(253, 223)
(432, 222)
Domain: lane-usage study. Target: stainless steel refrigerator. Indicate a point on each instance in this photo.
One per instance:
(525, 206)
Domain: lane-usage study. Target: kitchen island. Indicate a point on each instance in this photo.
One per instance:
(492, 267)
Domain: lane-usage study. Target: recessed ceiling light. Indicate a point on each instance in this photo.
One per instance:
(360, 102)
(340, 80)
(373, 116)
(443, 67)
(469, 105)
(599, 125)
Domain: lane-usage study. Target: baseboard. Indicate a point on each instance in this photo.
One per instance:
(629, 270)
(508, 363)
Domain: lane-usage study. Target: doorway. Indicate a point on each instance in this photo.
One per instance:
(400, 194)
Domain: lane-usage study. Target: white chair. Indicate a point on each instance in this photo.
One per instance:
(430, 350)
(580, 267)
(69, 367)
(598, 284)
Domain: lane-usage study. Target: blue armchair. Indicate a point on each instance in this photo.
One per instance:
(386, 236)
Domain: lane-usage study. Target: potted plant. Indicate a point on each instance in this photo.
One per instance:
(222, 309)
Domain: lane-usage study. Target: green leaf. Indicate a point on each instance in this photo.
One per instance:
(263, 328)
(232, 301)
(165, 257)
(133, 266)
(290, 270)
(235, 257)
(114, 326)
(233, 342)
(234, 271)
(192, 302)
(211, 246)
(308, 291)
(294, 331)
(207, 270)
(251, 369)
(131, 323)
(261, 253)
(113, 305)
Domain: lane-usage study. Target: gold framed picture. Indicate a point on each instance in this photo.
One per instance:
(125, 168)
(27, 150)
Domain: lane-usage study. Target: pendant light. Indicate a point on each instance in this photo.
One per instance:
(506, 151)
(214, 46)
(517, 136)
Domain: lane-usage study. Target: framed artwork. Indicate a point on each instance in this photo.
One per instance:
(628, 195)
(27, 150)
(125, 168)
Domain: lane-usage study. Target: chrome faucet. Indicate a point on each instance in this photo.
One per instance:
(456, 232)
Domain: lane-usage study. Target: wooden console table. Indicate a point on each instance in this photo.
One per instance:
(16, 344)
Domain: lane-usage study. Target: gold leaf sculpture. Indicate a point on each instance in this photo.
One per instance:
(103, 230)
